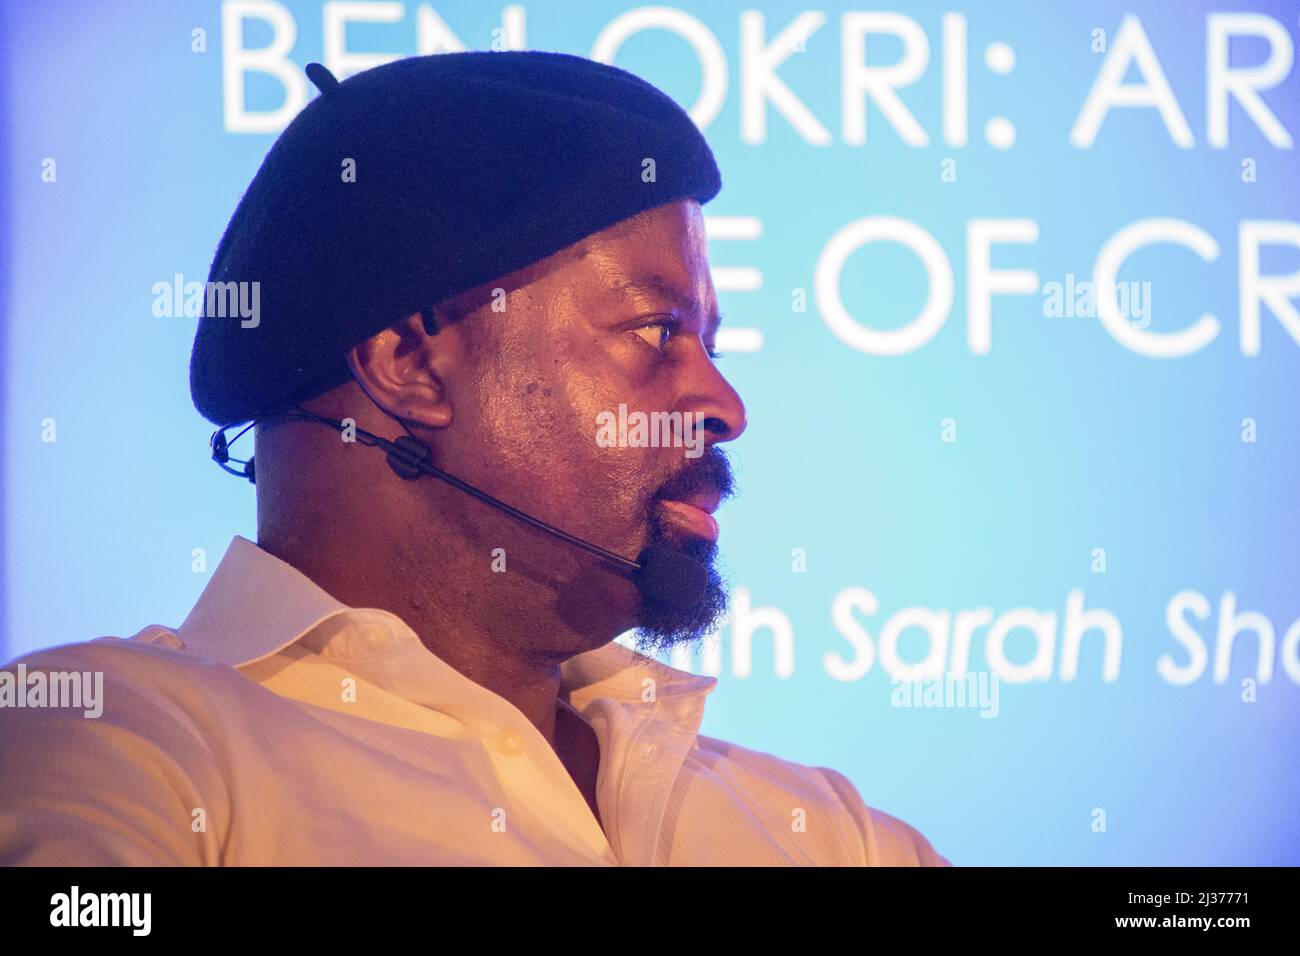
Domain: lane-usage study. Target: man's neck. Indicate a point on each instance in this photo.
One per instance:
(489, 641)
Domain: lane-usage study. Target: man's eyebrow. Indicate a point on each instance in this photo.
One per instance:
(659, 285)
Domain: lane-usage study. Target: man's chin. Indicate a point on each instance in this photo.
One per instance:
(660, 627)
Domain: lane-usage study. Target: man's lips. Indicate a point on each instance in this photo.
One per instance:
(694, 515)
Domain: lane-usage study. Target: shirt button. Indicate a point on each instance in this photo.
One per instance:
(511, 744)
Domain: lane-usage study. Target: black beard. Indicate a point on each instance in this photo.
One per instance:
(661, 627)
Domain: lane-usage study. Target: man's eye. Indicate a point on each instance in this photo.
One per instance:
(655, 335)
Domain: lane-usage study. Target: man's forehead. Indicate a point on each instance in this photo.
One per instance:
(652, 269)
(623, 229)
(656, 285)
(621, 261)
(683, 215)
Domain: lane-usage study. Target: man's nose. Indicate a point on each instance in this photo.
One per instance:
(716, 406)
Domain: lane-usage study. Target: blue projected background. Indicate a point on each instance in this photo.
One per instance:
(966, 448)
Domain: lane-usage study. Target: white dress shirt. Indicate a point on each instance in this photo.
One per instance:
(277, 726)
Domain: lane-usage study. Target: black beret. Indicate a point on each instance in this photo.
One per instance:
(468, 166)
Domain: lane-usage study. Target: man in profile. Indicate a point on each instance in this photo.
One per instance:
(465, 263)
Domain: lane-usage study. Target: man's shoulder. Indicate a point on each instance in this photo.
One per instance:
(887, 840)
(155, 649)
(110, 747)
(141, 674)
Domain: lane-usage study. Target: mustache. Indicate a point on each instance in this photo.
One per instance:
(710, 472)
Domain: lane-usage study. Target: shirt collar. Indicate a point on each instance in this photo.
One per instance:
(255, 605)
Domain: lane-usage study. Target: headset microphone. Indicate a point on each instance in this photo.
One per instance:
(663, 577)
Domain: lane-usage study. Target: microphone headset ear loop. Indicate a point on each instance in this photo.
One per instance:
(221, 450)
(405, 454)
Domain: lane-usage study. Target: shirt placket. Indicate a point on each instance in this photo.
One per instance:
(527, 767)
(643, 746)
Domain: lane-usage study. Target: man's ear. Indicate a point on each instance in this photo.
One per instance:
(398, 368)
